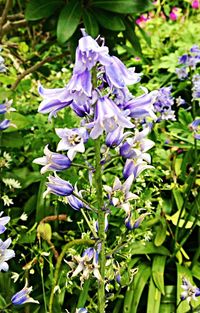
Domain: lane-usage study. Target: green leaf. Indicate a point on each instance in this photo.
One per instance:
(178, 198)
(133, 39)
(90, 23)
(11, 140)
(158, 268)
(38, 9)
(109, 21)
(196, 270)
(146, 37)
(68, 20)
(146, 248)
(19, 120)
(124, 6)
(154, 295)
(161, 232)
(139, 287)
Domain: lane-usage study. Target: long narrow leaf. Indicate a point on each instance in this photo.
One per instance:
(158, 268)
(154, 296)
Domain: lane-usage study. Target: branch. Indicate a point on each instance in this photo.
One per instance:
(34, 68)
(13, 25)
(8, 5)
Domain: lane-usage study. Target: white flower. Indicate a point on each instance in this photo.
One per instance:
(11, 183)
(6, 200)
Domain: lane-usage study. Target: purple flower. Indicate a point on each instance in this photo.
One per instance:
(195, 4)
(183, 59)
(182, 72)
(163, 104)
(4, 124)
(195, 127)
(72, 140)
(3, 221)
(81, 82)
(22, 296)
(134, 223)
(118, 75)
(174, 14)
(135, 168)
(196, 87)
(114, 138)
(107, 117)
(52, 161)
(142, 106)
(54, 100)
(190, 292)
(5, 254)
(58, 186)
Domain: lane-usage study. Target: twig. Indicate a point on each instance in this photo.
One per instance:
(4, 16)
(60, 217)
(34, 68)
(13, 25)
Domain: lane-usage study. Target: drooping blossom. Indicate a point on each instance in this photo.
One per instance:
(163, 104)
(135, 168)
(5, 254)
(75, 202)
(52, 161)
(4, 124)
(22, 296)
(107, 118)
(3, 221)
(190, 292)
(58, 186)
(195, 127)
(72, 140)
(132, 223)
(120, 194)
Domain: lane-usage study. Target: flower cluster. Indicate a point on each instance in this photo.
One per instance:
(187, 62)
(190, 292)
(163, 104)
(195, 127)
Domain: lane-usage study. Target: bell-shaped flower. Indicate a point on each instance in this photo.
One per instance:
(52, 161)
(135, 168)
(6, 107)
(195, 127)
(5, 254)
(114, 138)
(72, 140)
(58, 186)
(81, 82)
(22, 296)
(120, 194)
(107, 117)
(142, 106)
(3, 221)
(118, 75)
(88, 54)
(87, 264)
(54, 100)
(131, 223)
(137, 146)
(5, 124)
(75, 202)
(190, 292)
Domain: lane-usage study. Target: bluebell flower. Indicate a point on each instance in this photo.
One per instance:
(182, 72)
(195, 127)
(81, 82)
(2, 65)
(114, 138)
(54, 100)
(5, 254)
(131, 223)
(74, 202)
(163, 104)
(52, 161)
(72, 140)
(22, 296)
(81, 310)
(190, 292)
(107, 118)
(5, 124)
(183, 59)
(3, 221)
(58, 186)
(196, 87)
(135, 168)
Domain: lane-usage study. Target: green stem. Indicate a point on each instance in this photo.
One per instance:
(88, 205)
(58, 265)
(101, 223)
(6, 307)
(89, 225)
(43, 288)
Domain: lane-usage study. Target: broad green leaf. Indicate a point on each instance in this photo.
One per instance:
(175, 218)
(19, 120)
(123, 6)
(154, 295)
(38, 9)
(158, 268)
(131, 288)
(146, 248)
(90, 23)
(109, 20)
(178, 198)
(28, 237)
(196, 270)
(11, 140)
(177, 166)
(68, 20)
(161, 232)
(139, 287)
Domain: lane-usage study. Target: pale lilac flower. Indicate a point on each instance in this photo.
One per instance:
(118, 75)
(120, 194)
(74, 202)
(6, 107)
(135, 168)
(3, 221)
(22, 296)
(54, 100)
(195, 127)
(196, 87)
(5, 124)
(87, 264)
(114, 138)
(190, 292)
(134, 223)
(72, 140)
(107, 117)
(163, 104)
(81, 310)
(81, 82)
(5, 254)
(137, 146)
(142, 106)
(58, 186)
(52, 161)
(181, 72)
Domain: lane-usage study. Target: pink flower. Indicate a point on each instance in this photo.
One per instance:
(173, 14)
(195, 4)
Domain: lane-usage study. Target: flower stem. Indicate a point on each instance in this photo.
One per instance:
(101, 223)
